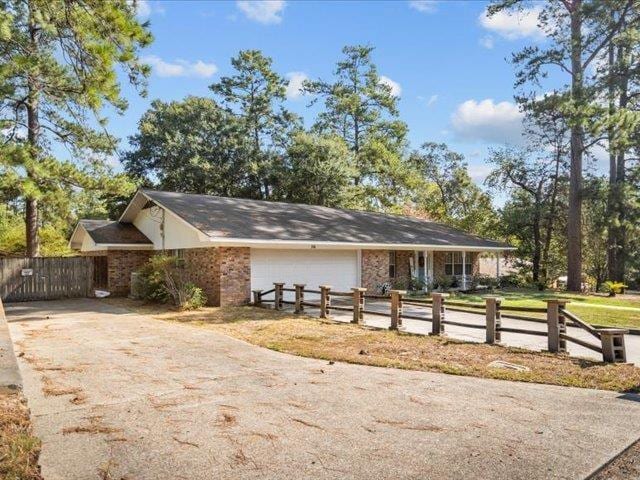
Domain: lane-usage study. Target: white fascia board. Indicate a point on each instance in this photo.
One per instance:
(123, 246)
(244, 242)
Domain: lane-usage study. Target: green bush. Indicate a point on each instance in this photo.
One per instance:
(445, 282)
(164, 279)
(613, 288)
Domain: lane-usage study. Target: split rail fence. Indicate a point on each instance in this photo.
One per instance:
(609, 342)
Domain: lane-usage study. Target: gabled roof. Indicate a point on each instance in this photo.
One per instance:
(109, 232)
(225, 218)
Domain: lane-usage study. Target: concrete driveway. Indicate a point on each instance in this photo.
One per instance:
(143, 399)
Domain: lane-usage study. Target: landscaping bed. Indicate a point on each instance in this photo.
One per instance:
(331, 341)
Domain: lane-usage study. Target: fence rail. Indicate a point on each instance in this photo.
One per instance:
(611, 341)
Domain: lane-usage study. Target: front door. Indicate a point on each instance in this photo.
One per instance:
(421, 267)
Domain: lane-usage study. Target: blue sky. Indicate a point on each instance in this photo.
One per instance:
(447, 61)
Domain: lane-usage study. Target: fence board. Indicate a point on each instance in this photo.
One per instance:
(51, 278)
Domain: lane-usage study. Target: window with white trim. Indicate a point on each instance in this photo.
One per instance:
(392, 264)
(179, 256)
(453, 263)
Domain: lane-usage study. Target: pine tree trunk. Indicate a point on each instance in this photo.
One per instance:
(33, 137)
(574, 222)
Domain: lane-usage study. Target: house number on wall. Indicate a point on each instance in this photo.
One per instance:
(27, 272)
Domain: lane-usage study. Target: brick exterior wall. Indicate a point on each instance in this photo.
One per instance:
(120, 265)
(235, 276)
(403, 267)
(203, 265)
(224, 273)
(375, 269)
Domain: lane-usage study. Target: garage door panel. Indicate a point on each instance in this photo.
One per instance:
(338, 268)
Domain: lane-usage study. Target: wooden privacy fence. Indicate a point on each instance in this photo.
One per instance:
(609, 341)
(45, 278)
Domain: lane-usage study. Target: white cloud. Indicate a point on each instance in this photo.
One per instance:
(432, 99)
(396, 89)
(144, 8)
(488, 121)
(514, 25)
(487, 42)
(262, 11)
(424, 6)
(294, 87)
(180, 68)
(478, 172)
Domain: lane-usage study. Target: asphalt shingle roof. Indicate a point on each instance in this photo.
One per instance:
(109, 231)
(235, 218)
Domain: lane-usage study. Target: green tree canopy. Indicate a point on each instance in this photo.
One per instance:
(59, 64)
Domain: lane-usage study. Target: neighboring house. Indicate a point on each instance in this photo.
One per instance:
(232, 246)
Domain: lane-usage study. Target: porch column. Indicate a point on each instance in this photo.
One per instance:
(498, 265)
(464, 270)
(427, 273)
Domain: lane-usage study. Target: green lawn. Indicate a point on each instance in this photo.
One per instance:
(623, 310)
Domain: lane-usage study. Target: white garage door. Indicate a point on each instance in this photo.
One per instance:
(338, 268)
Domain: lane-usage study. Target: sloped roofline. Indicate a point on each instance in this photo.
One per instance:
(141, 198)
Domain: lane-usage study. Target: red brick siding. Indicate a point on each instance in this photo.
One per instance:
(235, 276)
(375, 268)
(403, 267)
(203, 265)
(120, 265)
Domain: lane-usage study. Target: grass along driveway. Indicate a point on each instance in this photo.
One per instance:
(330, 341)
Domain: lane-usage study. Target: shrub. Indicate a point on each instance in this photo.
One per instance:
(613, 288)
(167, 281)
(445, 282)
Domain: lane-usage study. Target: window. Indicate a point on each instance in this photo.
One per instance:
(392, 264)
(453, 264)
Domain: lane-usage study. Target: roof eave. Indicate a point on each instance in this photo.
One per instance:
(248, 242)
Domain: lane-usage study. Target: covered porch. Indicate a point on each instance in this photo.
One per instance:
(456, 269)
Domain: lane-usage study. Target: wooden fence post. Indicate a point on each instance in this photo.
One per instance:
(396, 309)
(493, 318)
(325, 300)
(299, 297)
(257, 298)
(556, 324)
(358, 304)
(277, 294)
(613, 348)
(437, 312)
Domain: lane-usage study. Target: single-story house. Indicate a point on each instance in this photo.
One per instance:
(232, 246)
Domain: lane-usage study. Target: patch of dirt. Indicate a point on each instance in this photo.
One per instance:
(52, 389)
(95, 425)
